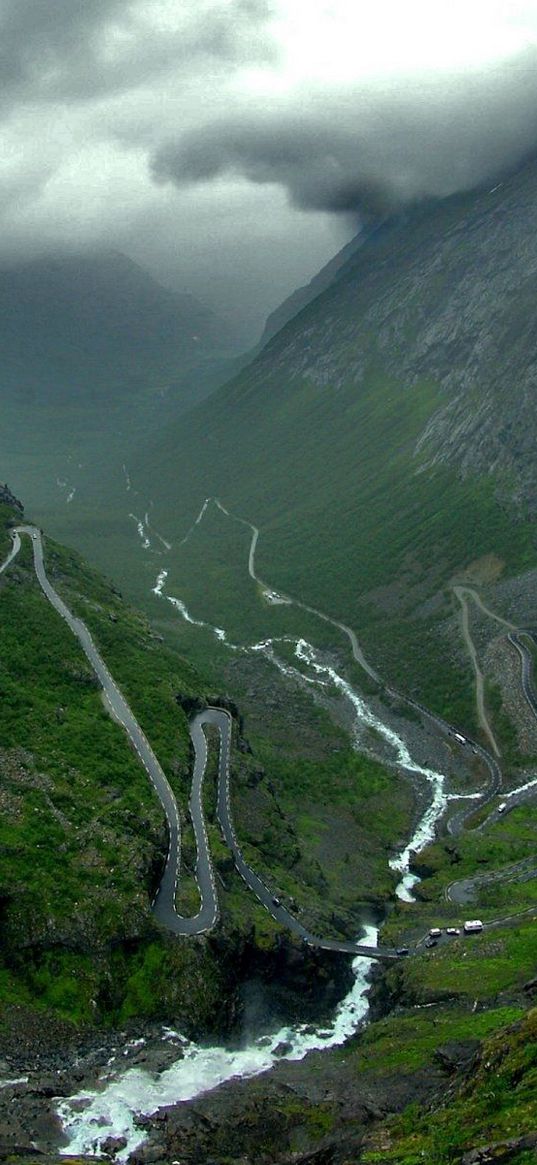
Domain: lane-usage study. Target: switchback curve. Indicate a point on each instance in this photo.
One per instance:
(164, 902)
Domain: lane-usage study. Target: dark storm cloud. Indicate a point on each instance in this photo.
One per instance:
(371, 149)
(77, 49)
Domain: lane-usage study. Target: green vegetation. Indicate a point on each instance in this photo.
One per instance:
(408, 1042)
(337, 804)
(82, 838)
(319, 443)
(495, 1103)
(504, 729)
(484, 854)
(499, 960)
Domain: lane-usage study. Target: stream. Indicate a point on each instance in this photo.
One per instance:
(91, 1116)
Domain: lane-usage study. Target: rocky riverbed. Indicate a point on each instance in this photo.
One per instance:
(313, 1110)
(101, 1092)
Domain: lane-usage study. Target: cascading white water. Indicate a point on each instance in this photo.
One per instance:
(521, 789)
(93, 1115)
(307, 655)
(159, 584)
(425, 829)
(142, 532)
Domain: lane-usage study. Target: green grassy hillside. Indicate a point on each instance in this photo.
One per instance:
(82, 836)
(382, 442)
(379, 442)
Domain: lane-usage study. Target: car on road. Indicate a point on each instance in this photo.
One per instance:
(431, 942)
(402, 951)
(502, 807)
(435, 932)
(453, 930)
(276, 902)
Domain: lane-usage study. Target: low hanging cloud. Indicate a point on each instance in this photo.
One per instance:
(370, 149)
(200, 135)
(76, 50)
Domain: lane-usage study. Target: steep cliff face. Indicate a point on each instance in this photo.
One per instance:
(444, 295)
(300, 298)
(382, 440)
(9, 499)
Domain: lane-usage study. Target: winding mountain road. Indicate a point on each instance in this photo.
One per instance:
(164, 903)
(456, 822)
(515, 640)
(348, 631)
(221, 720)
(461, 593)
(464, 890)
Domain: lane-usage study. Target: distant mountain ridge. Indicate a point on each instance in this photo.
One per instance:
(384, 438)
(72, 325)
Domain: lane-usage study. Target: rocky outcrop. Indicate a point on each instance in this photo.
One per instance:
(312, 1111)
(9, 499)
(500, 1151)
(443, 295)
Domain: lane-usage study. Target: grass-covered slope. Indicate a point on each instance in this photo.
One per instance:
(381, 441)
(82, 835)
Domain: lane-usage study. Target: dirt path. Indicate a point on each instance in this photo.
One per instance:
(461, 594)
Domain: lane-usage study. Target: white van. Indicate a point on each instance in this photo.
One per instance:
(473, 926)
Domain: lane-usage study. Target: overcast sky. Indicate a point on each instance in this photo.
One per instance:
(232, 145)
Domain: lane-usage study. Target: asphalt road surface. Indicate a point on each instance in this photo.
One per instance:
(164, 902)
(515, 638)
(221, 720)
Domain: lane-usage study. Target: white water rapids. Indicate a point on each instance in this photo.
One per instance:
(142, 531)
(90, 1117)
(320, 675)
(93, 1115)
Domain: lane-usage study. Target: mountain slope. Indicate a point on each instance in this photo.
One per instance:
(304, 295)
(95, 324)
(382, 441)
(83, 841)
(95, 354)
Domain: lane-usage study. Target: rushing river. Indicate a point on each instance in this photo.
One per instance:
(318, 673)
(110, 1111)
(92, 1116)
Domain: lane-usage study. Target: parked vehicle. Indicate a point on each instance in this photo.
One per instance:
(402, 951)
(435, 932)
(431, 942)
(452, 930)
(473, 926)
